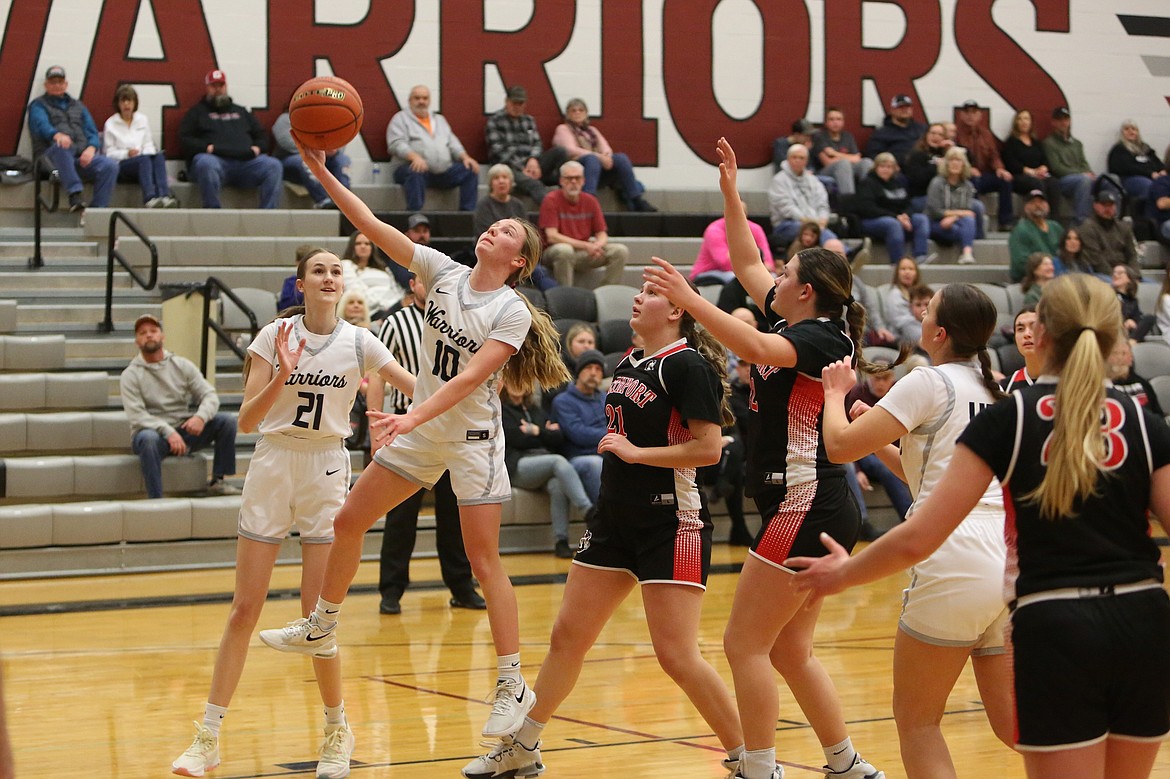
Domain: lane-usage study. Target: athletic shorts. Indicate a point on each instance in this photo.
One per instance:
(1091, 668)
(294, 481)
(478, 474)
(955, 597)
(654, 544)
(796, 515)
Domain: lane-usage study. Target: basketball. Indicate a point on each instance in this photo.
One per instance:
(325, 112)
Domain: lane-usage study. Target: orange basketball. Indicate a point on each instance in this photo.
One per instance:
(325, 112)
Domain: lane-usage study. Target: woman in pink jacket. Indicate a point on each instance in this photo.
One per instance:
(588, 146)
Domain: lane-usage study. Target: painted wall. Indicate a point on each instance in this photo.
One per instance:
(664, 78)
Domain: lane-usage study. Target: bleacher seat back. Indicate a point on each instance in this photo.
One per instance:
(571, 303)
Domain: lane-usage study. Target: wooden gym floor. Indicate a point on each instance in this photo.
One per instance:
(104, 675)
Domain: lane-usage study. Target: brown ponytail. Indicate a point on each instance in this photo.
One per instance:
(969, 317)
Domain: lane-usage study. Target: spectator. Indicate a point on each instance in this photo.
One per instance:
(988, 173)
(1038, 271)
(365, 270)
(882, 204)
(64, 133)
(870, 469)
(922, 163)
(1158, 208)
(575, 232)
(585, 144)
(732, 473)
(1125, 283)
(1107, 240)
(1071, 256)
(530, 443)
(126, 138)
(795, 195)
(1024, 157)
(289, 294)
(898, 132)
(426, 153)
(580, 411)
(158, 390)
(1119, 369)
(1034, 233)
(876, 331)
(512, 138)
(950, 203)
(713, 263)
(802, 133)
(579, 339)
(905, 326)
(1135, 162)
(296, 172)
(352, 307)
(1066, 161)
(808, 237)
(919, 300)
(222, 142)
(836, 153)
(498, 203)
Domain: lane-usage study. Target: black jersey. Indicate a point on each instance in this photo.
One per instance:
(1106, 540)
(650, 401)
(787, 406)
(1017, 380)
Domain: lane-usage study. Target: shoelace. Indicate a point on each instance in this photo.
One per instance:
(732, 767)
(501, 698)
(204, 741)
(334, 746)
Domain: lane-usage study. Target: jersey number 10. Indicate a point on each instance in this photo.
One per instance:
(446, 361)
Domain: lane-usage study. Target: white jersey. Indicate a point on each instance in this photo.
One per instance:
(317, 397)
(456, 323)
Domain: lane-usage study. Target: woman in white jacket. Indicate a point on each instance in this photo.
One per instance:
(127, 139)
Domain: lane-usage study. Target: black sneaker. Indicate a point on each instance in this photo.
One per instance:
(562, 549)
(468, 600)
(390, 605)
(641, 205)
(76, 203)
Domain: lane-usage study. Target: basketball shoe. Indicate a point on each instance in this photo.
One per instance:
(859, 770)
(304, 636)
(508, 760)
(511, 701)
(335, 752)
(736, 770)
(202, 756)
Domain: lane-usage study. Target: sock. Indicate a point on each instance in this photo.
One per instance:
(213, 717)
(840, 756)
(335, 715)
(327, 614)
(758, 763)
(736, 753)
(509, 667)
(529, 733)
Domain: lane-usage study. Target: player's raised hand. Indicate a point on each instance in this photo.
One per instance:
(287, 354)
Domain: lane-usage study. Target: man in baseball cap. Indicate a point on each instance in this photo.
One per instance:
(513, 139)
(1035, 232)
(1068, 164)
(898, 132)
(214, 77)
(1107, 241)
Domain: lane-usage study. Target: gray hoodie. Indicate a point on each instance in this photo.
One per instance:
(159, 395)
(797, 197)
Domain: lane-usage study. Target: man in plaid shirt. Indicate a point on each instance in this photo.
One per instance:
(513, 139)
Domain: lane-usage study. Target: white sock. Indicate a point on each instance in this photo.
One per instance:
(213, 717)
(759, 763)
(736, 753)
(327, 613)
(529, 733)
(335, 715)
(508, 667)
(840, 756)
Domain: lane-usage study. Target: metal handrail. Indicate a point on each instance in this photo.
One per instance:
(38, 260)
(107, 325)
(215, 285)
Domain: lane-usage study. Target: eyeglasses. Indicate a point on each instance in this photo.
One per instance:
(572, 178)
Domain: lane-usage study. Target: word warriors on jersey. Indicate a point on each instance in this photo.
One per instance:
(318, 379)
(436, 318)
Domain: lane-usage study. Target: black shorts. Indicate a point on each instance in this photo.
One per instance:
(651, 543)
(795, 516)
(1091, 668)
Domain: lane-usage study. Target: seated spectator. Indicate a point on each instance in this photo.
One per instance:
(922, 163)
(883, 205)
(426, 153)
(898, 131)
(364, 270)
(1038, 271)
(512, 138)
(808, 237)
(1024, 333)
(1119, 369)
(950, 203)
(579, 339)
(580, 411)
(223, 143)
(1135, 162)
(1137, 324)
(1034, 233)
(713, 263)
(1067, 163)
(1025, 159)
(530, 444)
(988, 173)
(876, 331)
(794, 195)
(585, 144)
(296, 172)
(1158, 208)
(159, 390)
(64, 133)
(126, 139)
(1106, 239)
(870, 469)
(731, 468)
(499, 204)
(802, 133)
(1071, 255)
(289, 294)
(352, 307)
(836, 153)
(575, 232)
(902, 323)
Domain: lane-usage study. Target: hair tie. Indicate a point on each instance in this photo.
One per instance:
(1083, 329)
(849, 300)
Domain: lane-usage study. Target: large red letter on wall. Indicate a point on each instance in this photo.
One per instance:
(18, 59)
(688, 50)
(622, 93)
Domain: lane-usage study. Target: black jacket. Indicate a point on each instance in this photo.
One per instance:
(517, 444)
(881, 198)
(233, 131)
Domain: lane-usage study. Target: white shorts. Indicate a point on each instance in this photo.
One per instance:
(294, 481)
(478, 475)
(955, 597)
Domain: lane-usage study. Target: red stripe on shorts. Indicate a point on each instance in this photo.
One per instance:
(688, 548)
(786, 523)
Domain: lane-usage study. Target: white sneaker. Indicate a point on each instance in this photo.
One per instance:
(859, 770)
(154, 202)
(306, 637)
(507, 760)
(202, 756)
(509, 708)
(335, 752)
(777, 772)
(966, 259)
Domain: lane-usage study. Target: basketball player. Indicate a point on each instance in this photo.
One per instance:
(300, 380)
(797, 490)
(1023, 326)
(474, 324)
(953, 608)
(1080, 464)
(664, 410)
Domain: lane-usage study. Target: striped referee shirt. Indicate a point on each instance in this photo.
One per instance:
(402, 334)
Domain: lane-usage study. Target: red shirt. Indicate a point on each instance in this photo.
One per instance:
(581, 220)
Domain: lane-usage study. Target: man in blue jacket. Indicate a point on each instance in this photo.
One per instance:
(64, 132)
(580, 411)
